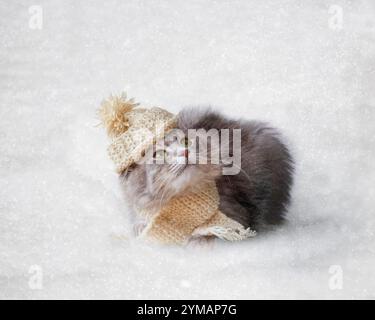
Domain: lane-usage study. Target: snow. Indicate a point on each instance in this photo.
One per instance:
(61, 208)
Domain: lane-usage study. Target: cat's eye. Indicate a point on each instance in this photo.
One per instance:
(185, 142)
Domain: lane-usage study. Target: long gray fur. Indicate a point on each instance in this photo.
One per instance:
(259, 195)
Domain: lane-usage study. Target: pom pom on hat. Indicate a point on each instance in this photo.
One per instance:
(113, 114)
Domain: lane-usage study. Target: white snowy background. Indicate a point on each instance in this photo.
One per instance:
(292, 63)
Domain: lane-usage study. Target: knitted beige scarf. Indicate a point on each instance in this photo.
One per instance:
(195, 213)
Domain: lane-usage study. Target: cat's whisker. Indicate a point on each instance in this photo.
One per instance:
(177, 168)
(164, 192)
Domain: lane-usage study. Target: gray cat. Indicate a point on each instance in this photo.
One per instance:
(257, 196)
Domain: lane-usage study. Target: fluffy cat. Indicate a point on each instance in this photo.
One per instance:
(257, 196)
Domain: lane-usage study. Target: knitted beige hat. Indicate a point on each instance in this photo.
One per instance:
(133, 130)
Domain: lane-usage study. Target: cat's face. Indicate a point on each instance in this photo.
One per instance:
(164, 171)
